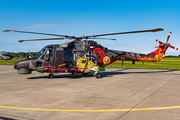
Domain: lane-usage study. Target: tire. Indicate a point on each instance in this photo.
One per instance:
(85, 73)
(51, 76)
(98, 75)
(24, 71)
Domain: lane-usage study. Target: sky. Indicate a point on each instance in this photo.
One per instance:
(80, 17)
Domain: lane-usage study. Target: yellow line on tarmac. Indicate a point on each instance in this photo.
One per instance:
(7, 71)
(101, 110)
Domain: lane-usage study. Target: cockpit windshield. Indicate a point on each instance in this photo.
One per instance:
(40, 53)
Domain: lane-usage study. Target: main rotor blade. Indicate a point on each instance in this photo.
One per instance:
(37, 33)
(152, 30)
(41, 39)
(102, 38)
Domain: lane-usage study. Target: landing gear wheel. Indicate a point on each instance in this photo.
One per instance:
(85, 73)
(98, 75)
(51, 76)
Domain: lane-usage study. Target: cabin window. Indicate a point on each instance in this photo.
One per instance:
(152, 55)
(68, 57)
(83, 61)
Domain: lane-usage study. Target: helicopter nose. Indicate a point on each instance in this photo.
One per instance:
(22, 67)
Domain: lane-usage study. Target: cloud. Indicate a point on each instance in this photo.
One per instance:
(145, 52)
(38, 26)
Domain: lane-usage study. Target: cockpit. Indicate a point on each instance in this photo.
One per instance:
(46, 54)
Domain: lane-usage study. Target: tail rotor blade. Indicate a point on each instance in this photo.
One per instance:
(159, 41)
(168, 36)
(167, 42)
(172, 47)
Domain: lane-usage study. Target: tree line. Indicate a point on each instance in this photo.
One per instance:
(172, 56)
(22, 54)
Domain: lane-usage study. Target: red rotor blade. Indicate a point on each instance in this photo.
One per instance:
(159, 42)
(168, 36)
(167, 41)
(172, 47)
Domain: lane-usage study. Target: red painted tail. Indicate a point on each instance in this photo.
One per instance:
(159, 53)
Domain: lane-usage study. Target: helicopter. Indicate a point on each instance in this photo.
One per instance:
(83, 55)
(5, 56)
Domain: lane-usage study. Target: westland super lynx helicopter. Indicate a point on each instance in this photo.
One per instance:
(5, 56)
(83, 55)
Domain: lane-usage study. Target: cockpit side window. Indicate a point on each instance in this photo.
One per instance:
(41, 54)
(49, 55)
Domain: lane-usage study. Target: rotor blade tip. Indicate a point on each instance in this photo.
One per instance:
(157, 30)
(160, 29)
(8, 31)
(20, 41)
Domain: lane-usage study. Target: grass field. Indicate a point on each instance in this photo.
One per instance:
(167, 63)
(9, 62)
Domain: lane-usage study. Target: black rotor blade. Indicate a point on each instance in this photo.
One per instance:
(38, 33)
(41, 39)
(102, 38)
(152, 30)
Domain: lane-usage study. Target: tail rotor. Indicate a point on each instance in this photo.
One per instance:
(164, 46)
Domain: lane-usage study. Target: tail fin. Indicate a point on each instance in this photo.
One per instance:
(159, 53)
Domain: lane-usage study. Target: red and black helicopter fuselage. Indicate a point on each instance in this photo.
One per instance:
(73, 57)
(83, 56)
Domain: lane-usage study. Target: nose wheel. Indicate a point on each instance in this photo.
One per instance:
(51, 76)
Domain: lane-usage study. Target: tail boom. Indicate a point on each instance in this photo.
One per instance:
(159, 53)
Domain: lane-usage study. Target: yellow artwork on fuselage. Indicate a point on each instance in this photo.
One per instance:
(156, 58)
(82, 62)
(159, 56)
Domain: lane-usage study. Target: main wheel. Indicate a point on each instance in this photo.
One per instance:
(85, 73)
(51, 76)
(98, 75)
